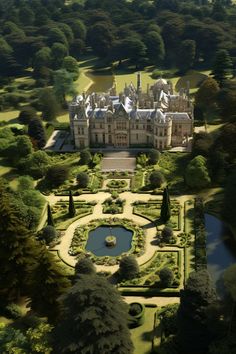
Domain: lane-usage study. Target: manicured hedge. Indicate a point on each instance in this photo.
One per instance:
(200, 234)
(136, 319)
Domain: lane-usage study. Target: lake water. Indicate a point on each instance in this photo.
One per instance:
(221, 249)
(96, 241)
(101, 83)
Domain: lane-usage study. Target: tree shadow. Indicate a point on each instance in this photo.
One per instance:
(147, 336)
(150, 225)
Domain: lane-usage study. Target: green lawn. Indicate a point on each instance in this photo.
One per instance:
(142, 336)
(9, 116)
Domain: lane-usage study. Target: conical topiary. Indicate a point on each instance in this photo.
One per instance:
(71, 209)
(165, 206)
(50, 217)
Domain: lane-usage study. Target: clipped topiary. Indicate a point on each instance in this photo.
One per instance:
(82, 180)
(48, 234)
(137, 314)
(129, 267)
(166, 277)
(84, 266)
(156, 179)
(167, 234)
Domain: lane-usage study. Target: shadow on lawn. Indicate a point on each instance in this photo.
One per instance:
(147, 336)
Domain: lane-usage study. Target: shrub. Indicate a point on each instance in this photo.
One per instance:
(156, 179)
(129, 267)
(167, 234)
(166, 276)
(135, 309)
(12, 311)
(82, 180)
(137, 313)
(48, 234)
(84, 266)
(57, 175)
(27, 114)
(154, 156)
(85, 157)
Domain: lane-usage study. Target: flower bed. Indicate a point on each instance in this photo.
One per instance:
(117, 183)
(113, 206)
(80, 238)
(148, 275)
(152, 210)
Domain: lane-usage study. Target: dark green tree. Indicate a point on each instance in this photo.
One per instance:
(196, 174)
(187, 54)
(206, 96)
(18, 248)
(82, 179)
(71, 210)
(59, 52)
(154, 156)
(166, 277)
(93, 320)
(156, 179)
(36, 132)
(222, 66)
(167, 234)
(47, 283)
(155, 47)
(195, 300)
(165, 206)
(48, 234)
(50, 220)
(101, 37)
(84, 266)
(128, 268)
(26, 114)
(48, 104)
(85, 157)
(57, 175)
(72, 66)
(63, 85)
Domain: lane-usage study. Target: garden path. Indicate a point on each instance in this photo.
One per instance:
(159, 301)
(130, 197)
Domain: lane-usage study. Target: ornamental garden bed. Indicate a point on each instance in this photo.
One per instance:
(61, 216)
(152, 210)
(80, 238)
(149, 272)
(117, 184)
(113, 206)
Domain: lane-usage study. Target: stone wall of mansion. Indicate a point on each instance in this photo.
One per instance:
(156, 117)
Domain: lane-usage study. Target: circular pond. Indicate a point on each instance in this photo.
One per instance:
(97, 241)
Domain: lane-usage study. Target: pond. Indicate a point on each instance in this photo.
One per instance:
(221, 249)
(97, 241)
(101, 83)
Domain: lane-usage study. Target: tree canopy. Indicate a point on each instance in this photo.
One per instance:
(94, 319)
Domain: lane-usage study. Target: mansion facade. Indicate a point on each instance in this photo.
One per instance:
(155, 117)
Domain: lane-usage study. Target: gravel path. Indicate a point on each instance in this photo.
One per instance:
(150, 228)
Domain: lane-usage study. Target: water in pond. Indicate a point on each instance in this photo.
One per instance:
(96, 241)
(101, 83)
(221, 249)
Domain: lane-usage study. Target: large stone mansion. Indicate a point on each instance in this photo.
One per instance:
(155, 118)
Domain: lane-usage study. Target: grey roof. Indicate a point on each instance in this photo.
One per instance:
(178, 116)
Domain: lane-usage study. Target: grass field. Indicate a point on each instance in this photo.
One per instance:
(9, 116)
(142, 336)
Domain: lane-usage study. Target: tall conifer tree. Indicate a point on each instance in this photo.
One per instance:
(72, 210)
(18, 249)
(50, 220)
(165, 206)
(94, 319)
(48, 282)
